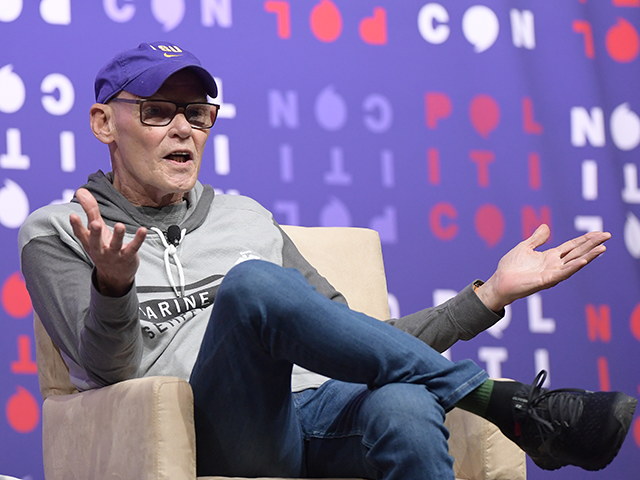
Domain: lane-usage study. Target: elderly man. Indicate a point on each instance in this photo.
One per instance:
(146, 272)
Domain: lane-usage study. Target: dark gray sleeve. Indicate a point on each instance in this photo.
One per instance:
(292, 258)
(100, 334)
(460, 318)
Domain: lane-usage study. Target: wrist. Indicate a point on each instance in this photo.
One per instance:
(110, 287)
(488, 296)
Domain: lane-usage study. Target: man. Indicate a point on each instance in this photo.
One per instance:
(156, 283)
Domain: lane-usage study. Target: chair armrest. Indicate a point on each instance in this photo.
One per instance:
(481, 451)
(140, 429)
(143, 429)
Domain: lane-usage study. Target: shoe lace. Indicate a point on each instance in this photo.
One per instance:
(564, 409)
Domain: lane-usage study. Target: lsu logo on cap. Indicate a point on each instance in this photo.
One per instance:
(169, 50)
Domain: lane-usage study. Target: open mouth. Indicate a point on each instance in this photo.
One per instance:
(180, 157)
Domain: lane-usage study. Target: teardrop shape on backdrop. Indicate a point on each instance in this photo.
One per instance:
(23, 412)
(326, 21)
(14, 204)
(625, 127)
(12, 90)
(14, 296)
(622, 41)
(330, 109)
(335, 214)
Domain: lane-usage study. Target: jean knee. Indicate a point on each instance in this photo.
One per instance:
(247, 281)
(258, 289)
(405, 433)
(249, 274)
(408, 412)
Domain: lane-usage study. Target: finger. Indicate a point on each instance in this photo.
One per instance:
(599, 237)
(539, 237)
(569, 248)
(574, 266)
(588, 256)
(95, 235)
(79, 230)
(569, 269)
(117, 238)
(89, 204)
(595, 252)
(582, 245)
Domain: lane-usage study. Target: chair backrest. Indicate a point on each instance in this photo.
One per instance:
(350, 258)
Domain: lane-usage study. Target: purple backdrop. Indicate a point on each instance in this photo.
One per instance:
(452, 128)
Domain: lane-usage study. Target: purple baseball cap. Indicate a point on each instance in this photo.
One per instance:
(142, 71)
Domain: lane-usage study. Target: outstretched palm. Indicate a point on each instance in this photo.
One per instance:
(116, 263)
(524, 270)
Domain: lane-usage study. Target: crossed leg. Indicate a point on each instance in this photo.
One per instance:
(265, 319)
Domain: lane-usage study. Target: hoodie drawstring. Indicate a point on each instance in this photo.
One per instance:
(173, 251)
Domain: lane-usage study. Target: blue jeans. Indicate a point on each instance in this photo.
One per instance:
(382, 416)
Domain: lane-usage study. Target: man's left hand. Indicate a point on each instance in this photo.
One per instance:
(524, 270)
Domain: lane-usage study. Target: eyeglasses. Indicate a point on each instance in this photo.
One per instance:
(160, 113)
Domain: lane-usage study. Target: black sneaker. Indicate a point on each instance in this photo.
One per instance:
(571, 427)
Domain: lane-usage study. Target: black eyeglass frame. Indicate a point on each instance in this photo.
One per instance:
(179, 105)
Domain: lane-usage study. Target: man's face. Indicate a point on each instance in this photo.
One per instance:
(156, 166)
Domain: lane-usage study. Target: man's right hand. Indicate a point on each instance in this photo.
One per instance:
(116, 264)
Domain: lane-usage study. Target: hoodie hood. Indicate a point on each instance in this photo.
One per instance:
(114, 207)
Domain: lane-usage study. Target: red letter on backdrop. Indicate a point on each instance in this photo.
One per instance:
(436, 106)
(535, 176)
(598, 323)
(436, 215)
(283, 16)
(626, 3)
(584, 27)
(528, 121)
(373, 30)
(433, 165)
(25, 362)
(634, 322)
(603, 374)
(531, 220)
(482, 158)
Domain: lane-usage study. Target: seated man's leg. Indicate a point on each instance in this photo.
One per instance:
(277, 308)
(245, 428)
(245, 421)
(556, 427)
(265, 318)
(393, 432)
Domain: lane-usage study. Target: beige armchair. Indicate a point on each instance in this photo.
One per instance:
(143, 429)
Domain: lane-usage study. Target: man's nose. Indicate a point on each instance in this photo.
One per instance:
(182, 125)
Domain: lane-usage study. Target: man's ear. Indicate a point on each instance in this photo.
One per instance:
(102, 122)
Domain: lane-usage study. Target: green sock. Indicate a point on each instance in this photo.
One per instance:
(492, 401)
(478, 400)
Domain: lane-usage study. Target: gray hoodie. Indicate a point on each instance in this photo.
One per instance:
(157, 327)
